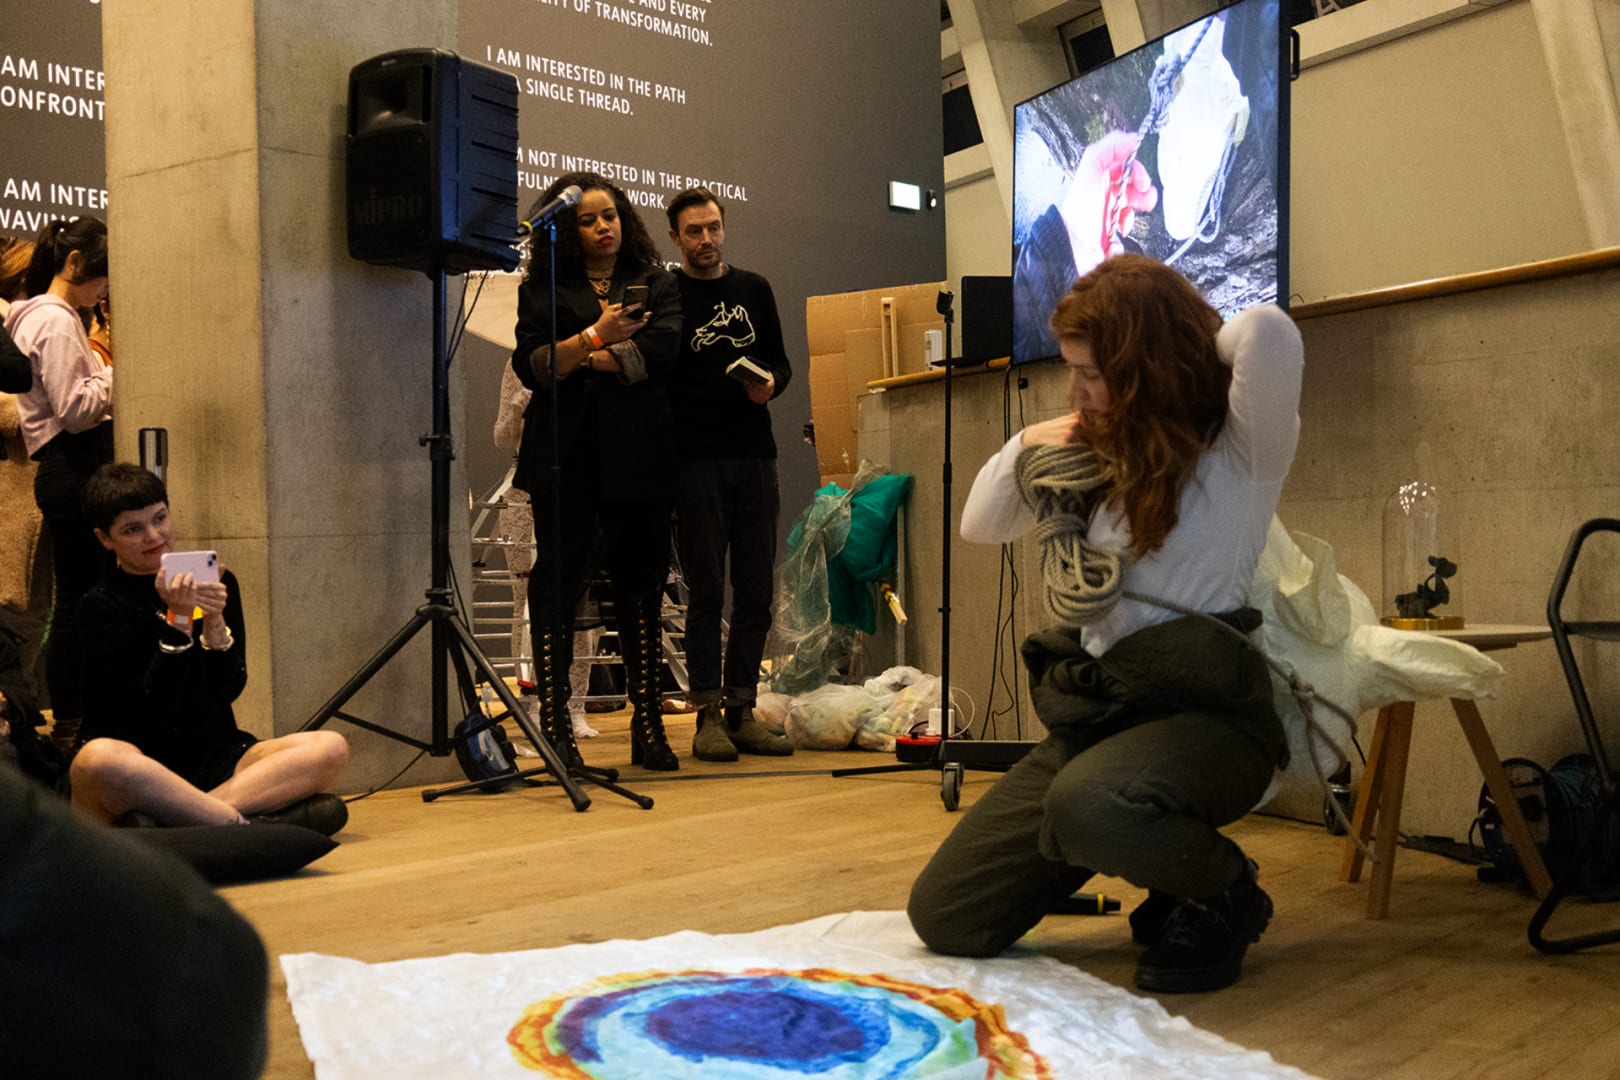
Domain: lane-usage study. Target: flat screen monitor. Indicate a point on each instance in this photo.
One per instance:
(1177, 151)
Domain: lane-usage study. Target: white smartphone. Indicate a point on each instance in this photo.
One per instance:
(203, 566)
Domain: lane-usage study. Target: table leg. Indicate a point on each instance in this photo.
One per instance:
(1367, 796)
(1501, 789)
(1397, 747)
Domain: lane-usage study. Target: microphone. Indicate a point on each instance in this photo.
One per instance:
(567, 197)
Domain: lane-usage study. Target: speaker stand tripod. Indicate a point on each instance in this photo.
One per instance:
(453, 644)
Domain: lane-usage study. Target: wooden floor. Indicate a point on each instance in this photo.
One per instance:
(1446, 987)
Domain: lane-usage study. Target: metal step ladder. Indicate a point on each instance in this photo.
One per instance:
(503, 550)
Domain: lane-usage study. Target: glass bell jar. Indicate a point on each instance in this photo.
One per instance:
(1420, 565)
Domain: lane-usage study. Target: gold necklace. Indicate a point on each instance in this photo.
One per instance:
(600, 286)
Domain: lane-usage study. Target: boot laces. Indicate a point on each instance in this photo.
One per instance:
(1192, 921)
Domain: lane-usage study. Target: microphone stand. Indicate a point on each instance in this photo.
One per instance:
(582, 773)
(951, 756)
(452, 642)
(936, 760)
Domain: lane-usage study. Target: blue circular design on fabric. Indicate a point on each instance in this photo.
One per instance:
(769, 1024)
(715, 1026)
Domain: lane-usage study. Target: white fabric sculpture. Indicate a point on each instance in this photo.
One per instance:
(1321, 625)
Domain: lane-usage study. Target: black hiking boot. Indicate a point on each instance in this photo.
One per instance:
(1204, 941)
(1149, 918)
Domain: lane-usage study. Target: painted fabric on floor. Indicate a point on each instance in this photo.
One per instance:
(837, 998)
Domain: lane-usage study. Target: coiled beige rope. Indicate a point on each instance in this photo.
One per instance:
(1080, 583)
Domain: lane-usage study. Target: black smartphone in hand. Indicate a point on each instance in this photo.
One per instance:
(635, 296)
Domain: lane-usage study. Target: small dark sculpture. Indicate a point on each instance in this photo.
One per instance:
(1430, 593)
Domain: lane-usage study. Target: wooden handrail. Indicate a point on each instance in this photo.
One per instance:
(1564, 266)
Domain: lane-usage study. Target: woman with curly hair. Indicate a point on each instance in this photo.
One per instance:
(1150, 501)
(603, 368)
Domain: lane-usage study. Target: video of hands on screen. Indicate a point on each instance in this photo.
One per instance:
(1170, 151)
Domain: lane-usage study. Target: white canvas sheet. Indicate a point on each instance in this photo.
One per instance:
(449, 1016)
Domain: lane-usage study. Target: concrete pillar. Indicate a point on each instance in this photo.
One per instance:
(1124, 21)
(1136, 22)
(1581, 60)
(1004, 66)
(294, 382)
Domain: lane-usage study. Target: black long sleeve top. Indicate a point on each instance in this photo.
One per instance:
(617, 428)
(726, 318)
(176, 707)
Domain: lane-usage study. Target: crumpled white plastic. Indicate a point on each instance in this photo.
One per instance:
(1323, 627)
(829, 717)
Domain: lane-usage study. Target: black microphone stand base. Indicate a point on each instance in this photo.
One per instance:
(585, 774)
(953, 757)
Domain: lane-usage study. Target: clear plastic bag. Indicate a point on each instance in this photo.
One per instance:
(828, 717)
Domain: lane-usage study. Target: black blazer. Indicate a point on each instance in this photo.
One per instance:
(618, 435)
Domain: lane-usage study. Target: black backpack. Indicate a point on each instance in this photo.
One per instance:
(482, 748)
(1559, 804)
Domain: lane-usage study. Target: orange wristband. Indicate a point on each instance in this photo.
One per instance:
(594, 338)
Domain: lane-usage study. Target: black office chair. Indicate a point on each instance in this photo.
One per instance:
(1569, 876)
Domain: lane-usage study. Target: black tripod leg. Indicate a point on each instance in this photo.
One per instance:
(569, 781)
(493, 784)
(333, 706)
(871, 770)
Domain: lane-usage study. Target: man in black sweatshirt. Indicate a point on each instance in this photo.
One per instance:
(732, 363)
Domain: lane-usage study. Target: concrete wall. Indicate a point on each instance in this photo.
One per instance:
(292, 379)
(1436, 154)
(976, 223)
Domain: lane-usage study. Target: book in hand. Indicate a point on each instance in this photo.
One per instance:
(748, 372)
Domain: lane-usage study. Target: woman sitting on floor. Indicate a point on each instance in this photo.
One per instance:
(163, 661)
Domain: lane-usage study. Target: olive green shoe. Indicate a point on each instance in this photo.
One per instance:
(711, 743)
(752, 737)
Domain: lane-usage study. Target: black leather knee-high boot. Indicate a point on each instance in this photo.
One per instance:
(553, 656)
(641, 644)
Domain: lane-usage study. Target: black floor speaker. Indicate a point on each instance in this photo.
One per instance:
(432, 163)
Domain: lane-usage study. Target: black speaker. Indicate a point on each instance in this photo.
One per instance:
(432, 162)
(987, 318)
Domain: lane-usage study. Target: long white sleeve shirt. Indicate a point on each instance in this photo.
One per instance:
(72, 388)
(1208, 560)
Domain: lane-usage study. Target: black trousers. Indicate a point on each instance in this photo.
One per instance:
(627, 537)
(77, 557)
(727, 507)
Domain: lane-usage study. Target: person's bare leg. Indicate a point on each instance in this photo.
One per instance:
(283, 770)
(111, 777)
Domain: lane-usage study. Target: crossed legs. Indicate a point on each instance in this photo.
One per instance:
(111, 777)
